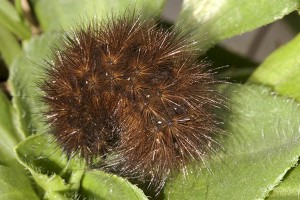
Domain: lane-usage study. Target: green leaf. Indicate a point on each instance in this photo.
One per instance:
(19, 9)
(52, 171)
(13, 181)
(281, 70)
(9, 136)
(52, 187)
(101, 185)
(25, 73)
(10, 19)
(40, 154)
(55, 15)
(261, 145)
(14, 185)
(9, 46)
(289, 189)
(221, 19)
(58, 177)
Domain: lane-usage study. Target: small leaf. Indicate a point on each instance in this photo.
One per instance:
(281, 70)
(53, 187)
(221, 19)
(101, 185)
(50, 168)
(55, 175)
(261, 145)
(39, 153)
(10, 19)
(55, 15)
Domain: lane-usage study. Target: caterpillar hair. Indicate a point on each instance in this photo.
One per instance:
(134, 94)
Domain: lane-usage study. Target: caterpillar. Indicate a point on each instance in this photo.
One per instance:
(134, 94)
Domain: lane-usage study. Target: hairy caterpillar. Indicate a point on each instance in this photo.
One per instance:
(134, 94)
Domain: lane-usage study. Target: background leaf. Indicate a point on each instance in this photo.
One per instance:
(14, 185)
(262, 144)
(221, 19)
(25, 73)
(9, 46)
(9, 135)
(281, 70)
(55, 15)
(10, 19)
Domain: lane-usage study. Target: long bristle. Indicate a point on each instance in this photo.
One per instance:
(131, 89)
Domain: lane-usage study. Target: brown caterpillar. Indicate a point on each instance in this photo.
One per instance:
(134, 94)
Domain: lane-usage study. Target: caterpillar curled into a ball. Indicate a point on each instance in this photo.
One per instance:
(133, 94)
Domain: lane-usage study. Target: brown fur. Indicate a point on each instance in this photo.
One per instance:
(130, 89)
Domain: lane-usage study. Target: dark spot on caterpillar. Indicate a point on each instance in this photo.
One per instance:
(134, 94)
